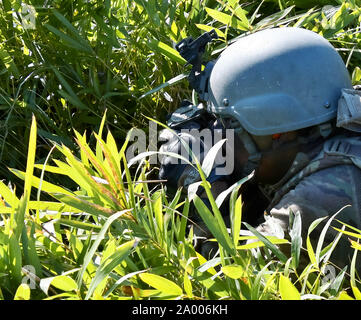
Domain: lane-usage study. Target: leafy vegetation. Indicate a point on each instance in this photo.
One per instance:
(82, 223)
(116, 237)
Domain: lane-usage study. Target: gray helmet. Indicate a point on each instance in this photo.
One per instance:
(278, 80)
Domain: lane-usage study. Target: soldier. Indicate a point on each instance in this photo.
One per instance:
(287, 94)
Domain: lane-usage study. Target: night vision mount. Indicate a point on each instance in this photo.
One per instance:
(192, 51)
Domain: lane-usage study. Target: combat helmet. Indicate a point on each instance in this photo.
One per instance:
(278, 80)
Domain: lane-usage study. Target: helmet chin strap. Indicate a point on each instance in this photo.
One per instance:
(255, 155)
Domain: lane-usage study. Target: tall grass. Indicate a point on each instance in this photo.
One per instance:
(117, 236)
(82, 57)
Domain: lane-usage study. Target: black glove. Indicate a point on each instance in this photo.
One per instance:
(175, 171)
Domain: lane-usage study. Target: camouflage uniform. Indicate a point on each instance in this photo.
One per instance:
(320, 184)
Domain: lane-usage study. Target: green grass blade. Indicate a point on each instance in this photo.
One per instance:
(78, 224)
(8, 195)
(223, 195)
(9, 63)
(311, 252)
(56, 207)
(30, 162)
(210, 157)
(259, 244)
(296, 237)
(256, 285)
(68, 40)
(352, 234)
(162, 284)
(109, 264)
(33, 256)
(166, 50)
(277, 252)
(233, 271)
(236, 216)
(165, 85)
(89, 255)
(183, 221)
(15, 258)
(287, 290)
(73, 30)
(45, 186)
(98, 152)
(159, 218)
(323, 235)
(23, 292)
(355, 289)
(64, 283)
(227, 19)
(83, 205)
(211, 222)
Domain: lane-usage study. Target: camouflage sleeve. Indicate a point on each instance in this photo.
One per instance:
(321, 194)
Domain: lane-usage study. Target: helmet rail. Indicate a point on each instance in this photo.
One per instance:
(192, 51)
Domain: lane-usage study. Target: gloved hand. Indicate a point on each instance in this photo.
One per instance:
(176, 171)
